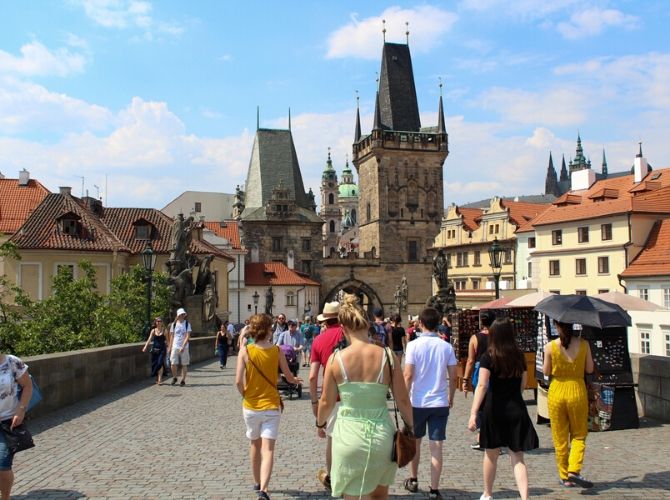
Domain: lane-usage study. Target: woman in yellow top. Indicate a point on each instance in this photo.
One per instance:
(566, 360)
(256, 377)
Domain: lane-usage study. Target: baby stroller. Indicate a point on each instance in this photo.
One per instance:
(293, 365)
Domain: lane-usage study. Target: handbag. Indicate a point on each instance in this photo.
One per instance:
(404, 442)
(18, 438)
(36, 396)
(281, 400)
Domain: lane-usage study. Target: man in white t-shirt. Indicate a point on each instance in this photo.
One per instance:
(430, 376)
(179, 355)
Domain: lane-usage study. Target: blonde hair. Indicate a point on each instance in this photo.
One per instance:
(351, 315)
(259, 326)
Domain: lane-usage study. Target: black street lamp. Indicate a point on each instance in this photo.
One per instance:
(149, 261)
(495, 258)
(255, 296)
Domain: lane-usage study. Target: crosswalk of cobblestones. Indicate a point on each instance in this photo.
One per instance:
(145, 441)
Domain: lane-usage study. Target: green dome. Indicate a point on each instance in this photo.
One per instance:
(348, 191)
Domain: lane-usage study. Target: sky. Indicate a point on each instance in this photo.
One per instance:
(136, 101)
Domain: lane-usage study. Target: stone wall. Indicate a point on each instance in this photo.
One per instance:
(67, 377)
(652, 374)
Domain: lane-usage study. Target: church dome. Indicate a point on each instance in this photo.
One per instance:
(348, 191)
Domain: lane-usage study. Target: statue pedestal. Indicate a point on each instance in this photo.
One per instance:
(193, 305)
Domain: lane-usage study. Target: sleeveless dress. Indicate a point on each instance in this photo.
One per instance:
(568, 408)
(362, 437)
(158, 352)
(505, 419)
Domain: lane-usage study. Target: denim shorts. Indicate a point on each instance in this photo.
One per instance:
(6, 458)
(434, 418)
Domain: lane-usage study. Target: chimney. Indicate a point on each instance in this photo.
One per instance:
(65, 190)
(639, 166)
(24, 177)
(582, 179)
(93, 205)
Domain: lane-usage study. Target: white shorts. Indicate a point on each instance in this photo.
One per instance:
(261, 424)
(331, 420)
(180, 358)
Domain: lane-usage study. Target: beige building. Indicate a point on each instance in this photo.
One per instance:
(201, 204)
(466, 235)
(592, 232)
(64, 230)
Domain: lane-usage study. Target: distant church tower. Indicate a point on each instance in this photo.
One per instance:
(399, 169)
(551, 183)
(580, 162)
(348, 198)
(330, 210)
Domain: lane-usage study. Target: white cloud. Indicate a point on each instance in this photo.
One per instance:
(363, 38)
(128, 14)
(557, 106)
(38, 60)
(593, 21)
(28, 107)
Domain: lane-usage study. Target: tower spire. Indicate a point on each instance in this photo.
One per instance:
(289, 118)
(441, 129)
(377, 122)
(384, 30)
(604, 166)
(564, 171)
(551, 182)
(407, 31)
(258, 117)
(357, 132)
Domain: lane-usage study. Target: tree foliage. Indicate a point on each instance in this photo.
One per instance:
(77, 315)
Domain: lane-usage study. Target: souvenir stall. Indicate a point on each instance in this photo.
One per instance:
(612, 404)
(466, 323)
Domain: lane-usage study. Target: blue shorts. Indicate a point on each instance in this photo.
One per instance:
(435, 418)
(6, 458)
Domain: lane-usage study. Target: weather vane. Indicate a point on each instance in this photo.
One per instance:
(384, 29)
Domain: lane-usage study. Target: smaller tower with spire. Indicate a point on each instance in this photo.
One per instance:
(551, 182)
(604, 166)
(330, 210)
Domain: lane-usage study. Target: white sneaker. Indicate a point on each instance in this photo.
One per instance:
(484, 497)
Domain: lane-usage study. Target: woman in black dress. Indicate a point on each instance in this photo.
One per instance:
(157, 339)
(505, 421)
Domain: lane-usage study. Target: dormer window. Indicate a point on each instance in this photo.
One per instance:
(143, 232)
(70, 224)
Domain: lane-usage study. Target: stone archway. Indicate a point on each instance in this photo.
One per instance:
(366, 294)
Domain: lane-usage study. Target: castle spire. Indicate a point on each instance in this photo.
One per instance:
(377, 122)
(551, 182)
(357, 133)
(441, 129)
(564, 171)
(604, 166)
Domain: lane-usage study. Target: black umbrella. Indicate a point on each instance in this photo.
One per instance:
(585, 310)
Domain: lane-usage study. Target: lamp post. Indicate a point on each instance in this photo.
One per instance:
(495, 258)
(255, 297)
(149, 261)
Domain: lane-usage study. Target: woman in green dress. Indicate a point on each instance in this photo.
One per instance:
(363, 435)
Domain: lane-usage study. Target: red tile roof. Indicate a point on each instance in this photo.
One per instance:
(17, 202)
(598, 200)
(521, 212)
(114, 230)
(654, 259)
(275, 274)
(470, 217)
(229, 230)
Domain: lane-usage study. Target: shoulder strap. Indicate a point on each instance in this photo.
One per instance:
(338, 355)
(395, 407)
(380, 377)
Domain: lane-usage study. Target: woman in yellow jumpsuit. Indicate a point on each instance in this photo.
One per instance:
(566, 360)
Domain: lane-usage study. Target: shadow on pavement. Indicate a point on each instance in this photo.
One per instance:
(652, 480)
(51, 494)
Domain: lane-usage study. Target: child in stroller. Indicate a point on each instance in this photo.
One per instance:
(293, 365)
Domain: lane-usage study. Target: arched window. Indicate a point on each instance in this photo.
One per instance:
(332, 226)
(353, 215)
(331, 198)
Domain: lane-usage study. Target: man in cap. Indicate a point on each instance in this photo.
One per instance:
(292, 337)
(322, 348)
(180, 331)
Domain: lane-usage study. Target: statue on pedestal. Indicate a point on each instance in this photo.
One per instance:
(269, 300)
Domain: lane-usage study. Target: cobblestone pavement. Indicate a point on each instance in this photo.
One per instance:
(146, 441)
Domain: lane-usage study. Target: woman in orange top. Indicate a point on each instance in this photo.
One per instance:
(256, 379)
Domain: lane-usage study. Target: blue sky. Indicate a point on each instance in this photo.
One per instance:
(154, 98)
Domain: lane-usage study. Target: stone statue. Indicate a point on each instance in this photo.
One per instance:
(440, 270)
(204, 274)
(210, 298)
(182, 286)
(269, 300)
(182, 230)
